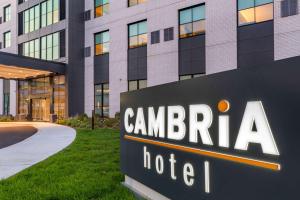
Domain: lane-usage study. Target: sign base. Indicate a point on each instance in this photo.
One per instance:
(141, 190)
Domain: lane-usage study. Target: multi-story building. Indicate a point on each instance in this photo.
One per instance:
(114, 46)
(47, 38)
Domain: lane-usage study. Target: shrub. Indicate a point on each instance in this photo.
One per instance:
(83, 121)
(6, 118)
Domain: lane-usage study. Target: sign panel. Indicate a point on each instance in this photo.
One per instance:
(233, 135)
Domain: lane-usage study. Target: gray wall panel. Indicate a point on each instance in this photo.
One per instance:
(101, 69)
(75, 69)
(256, 44)
(192, 55)
(137, 63)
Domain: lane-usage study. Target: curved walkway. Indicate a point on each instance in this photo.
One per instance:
(47, 141)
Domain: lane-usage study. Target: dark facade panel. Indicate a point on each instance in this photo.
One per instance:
(101, 69)
(75, 69)
(192, 55)
(31, 63)
(256, 44)
(137, 63)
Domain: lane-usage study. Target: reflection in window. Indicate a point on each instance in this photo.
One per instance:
(6, 97)
(192, 21)
(59, 96)
(135, 2)
(138, 34)
(137, 85)
(46, 48)
(101, 7)
(102, 43)
(102, 100)
(23, 97)
(254, 11)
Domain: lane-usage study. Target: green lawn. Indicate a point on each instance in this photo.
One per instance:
(88, 169)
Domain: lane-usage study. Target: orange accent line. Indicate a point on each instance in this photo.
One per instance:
(236, 159)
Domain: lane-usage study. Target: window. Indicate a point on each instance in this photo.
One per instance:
(135, 2)
(192, 21)
(254, 11)
(6, 95)
(155, 37)
(169, 34)
(138, 34)
(190, 76)
(289, 8)
(59, 96)
(46, 48)
(7, 39)
(101, 7)
(22, 1)
(31, 19)
(137, 85)
(7, 13)
(102, 43)
(102, 100)
(41, 15)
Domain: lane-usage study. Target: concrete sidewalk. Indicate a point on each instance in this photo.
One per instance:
(50, 139)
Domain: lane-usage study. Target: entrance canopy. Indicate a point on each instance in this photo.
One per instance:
(19, 67)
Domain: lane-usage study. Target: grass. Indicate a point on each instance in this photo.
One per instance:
(87, 169)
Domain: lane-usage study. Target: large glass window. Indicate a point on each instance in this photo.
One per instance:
(102, 43)
(59, 96)
(46, 48)
(23, 97)
(138, 34)
(7, 39)
(37, 94)
(7, 13)
(31, 18)
(192, 21)
(137, 85)
(6, 96)
(101, 7)
(135, 2)
(41, 15)
(102, 100)
(254, 11)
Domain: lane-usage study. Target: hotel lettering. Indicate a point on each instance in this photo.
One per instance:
(210, 139)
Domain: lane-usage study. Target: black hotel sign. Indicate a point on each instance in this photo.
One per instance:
(233, 135)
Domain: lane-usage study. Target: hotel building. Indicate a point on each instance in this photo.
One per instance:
(60, 58)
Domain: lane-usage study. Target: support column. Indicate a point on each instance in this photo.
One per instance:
(13, 98)
(1, 96)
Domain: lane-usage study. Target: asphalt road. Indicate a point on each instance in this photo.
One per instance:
(13, 135)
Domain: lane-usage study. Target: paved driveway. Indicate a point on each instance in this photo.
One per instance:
(13, 135)
(35, 143)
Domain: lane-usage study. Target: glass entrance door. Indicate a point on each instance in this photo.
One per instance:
(41, 109)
